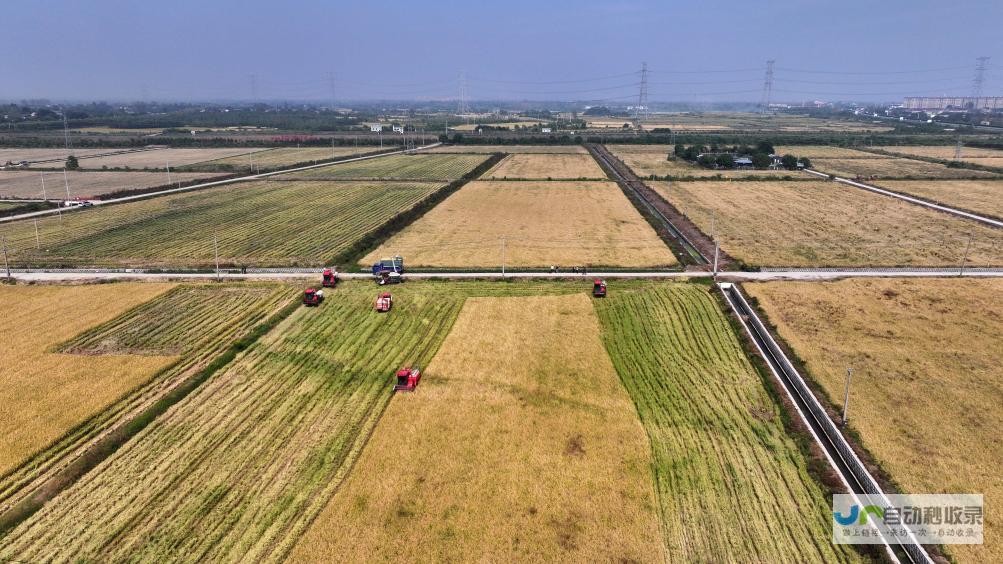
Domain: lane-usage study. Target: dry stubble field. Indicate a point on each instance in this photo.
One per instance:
(892, 167)
(514, 149)
(946, 152)
(546, 167)
(43, 393)
(161, 158)
(396, 167)
(286, 156)
(927, 382)
(28, 184)
(818, 223)
(644, 162)
(824, 152)
(979, 196)
(55, 157)
(543, 223)
(519, 445)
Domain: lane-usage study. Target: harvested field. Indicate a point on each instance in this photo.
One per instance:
(274, 158)
(257, 223)
(748, 121)
(239, 468)
(506, 457)
(927, 382)
(979, 196)
(43, 393)
(945, 152)
(514, 149)
(546, 167)
(161, 158)
(55, 157)
(419, 167)
(543, 223)
(647, 162)
(894, 168)
(824, 152)
(719, 446)
(818, 223)
(506, 125)
(28, 184)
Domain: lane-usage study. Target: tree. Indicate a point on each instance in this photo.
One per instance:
(765, 147)
(725, 160)
(760, 160)
(806, 162)
(72, 163)
(679, 150)
(790, 162)
(707, 160)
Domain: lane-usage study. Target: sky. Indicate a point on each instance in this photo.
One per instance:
(696, 51)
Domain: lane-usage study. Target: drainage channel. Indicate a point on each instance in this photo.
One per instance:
(840, 455)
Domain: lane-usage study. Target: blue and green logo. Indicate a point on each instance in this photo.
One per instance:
(856, 514)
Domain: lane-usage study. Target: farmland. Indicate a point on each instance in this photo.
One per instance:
(56, 156)
(160, 158)
(506, 125)
(419, 167)
(542, 223)
(239, 468)
(894, 168)
(824, 152)
(980, 196)
(818, 223)
(945, 152)
(43, 393)
(28, 184)
(927, 383)
(739, 121)
(646, 162)
(272, 158)
(514, 149)
(718, 442)
(545, 167)
(285, 223)
(110, 373)
(508, 452)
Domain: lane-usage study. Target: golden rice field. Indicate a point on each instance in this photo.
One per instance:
(161, 158)
(28, 183)
(946, 152)
(418, 167)
(546, 167)
(979, 196)
(721, 457)
(279, 157)
(894, 168)
(519, 445)
(514, 149)
(44, 393)
(928, 376)
(46, 157)
(823, 152)
(819, 223)
(647, 162)
(255, 223)
(542, 223)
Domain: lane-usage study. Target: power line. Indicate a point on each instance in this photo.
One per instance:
(919, 71)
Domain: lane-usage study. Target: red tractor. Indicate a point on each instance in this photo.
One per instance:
(312, 297)
(384, 302)
(329, 278)
(599, 288)
(407, 379)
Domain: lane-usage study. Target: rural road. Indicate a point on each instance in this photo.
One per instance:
(208, 184)
(278, 274)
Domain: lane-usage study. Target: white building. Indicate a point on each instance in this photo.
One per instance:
(376, 127)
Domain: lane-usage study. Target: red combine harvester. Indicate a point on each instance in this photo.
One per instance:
(599, 288)
(384, 302)
(407, 379)
(329, 279)
(312, 297)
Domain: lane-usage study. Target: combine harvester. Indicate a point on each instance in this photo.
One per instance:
(384, 302)
(407, 379)
(389, 270)
(329, 278)
(599, 288)
(312, 297)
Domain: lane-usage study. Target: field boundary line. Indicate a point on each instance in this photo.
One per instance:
(841, 456)
(213, 183)
(912, 199)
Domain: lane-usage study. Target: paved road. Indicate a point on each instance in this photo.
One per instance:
(207, 185)
(314, 274)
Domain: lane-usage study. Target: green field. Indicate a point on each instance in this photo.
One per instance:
(256, 223)
(726, 471)
(421, 167)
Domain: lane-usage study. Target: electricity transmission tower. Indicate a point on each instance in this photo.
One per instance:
(764, 104)
(254, 87)
(641, 111)
(463, 104)
(980, 78)
(330, 82)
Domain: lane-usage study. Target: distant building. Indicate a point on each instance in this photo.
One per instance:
(398, 129)
(376, 127)
(545, 130)
(988, 103)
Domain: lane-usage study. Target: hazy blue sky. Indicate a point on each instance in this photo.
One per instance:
(208, 49)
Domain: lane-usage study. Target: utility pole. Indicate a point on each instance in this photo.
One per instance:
(67, 183)
(846, 395)
(215, 250)
(964, 258)
(503, 255)
(66, 134)
(767, 87)
(957, 149)
(42, 174)
(3, 242)
(38, 244)
(168, 171)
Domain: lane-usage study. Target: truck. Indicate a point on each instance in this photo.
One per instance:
(387, 265)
